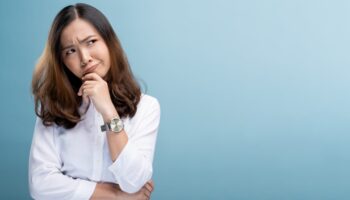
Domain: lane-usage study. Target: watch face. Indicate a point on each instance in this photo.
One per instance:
(116, 125)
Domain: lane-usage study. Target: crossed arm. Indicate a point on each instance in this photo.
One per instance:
(109, 191)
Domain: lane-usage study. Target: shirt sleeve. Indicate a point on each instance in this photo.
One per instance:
(133, 167)
(46, 181)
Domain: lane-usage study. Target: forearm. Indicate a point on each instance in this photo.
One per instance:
(132, 152)
(116, 141)
(110, 191)
(105, 191)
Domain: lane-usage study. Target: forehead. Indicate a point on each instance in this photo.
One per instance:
(76, 31)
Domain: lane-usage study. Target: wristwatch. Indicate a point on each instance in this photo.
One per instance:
(116, 125)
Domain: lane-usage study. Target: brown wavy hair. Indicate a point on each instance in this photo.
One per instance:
(55, 88)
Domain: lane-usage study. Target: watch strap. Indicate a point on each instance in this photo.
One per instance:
(105, 127)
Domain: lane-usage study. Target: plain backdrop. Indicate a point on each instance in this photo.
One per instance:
(254, 94)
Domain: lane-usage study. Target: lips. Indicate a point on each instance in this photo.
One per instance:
(90, 69)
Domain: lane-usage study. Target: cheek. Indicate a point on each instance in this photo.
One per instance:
(107, 59)
(74, 68)
(106, 55)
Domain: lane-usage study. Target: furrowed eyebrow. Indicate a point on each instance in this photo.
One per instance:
(87, 38)
(67, 47)
(81, 41)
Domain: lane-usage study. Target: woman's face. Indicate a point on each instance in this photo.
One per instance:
(84, 50)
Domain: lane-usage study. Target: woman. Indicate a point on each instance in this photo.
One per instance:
(95, 133)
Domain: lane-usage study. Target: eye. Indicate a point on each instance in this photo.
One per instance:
(90, 42)
(70, 51)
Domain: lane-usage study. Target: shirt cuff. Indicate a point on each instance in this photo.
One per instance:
(84, 190)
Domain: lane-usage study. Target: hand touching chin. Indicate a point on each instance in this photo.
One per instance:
(95, 88)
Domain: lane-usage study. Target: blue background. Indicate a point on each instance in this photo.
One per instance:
(254, 94)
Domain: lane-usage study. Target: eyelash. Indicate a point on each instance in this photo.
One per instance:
(70, 51)
(93, 41)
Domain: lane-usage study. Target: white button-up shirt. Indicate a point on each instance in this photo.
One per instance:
(67, 163)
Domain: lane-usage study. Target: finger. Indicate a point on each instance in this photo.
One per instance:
(85, 87)
(151, 183)
(91, 76)
(146, 193)
(89, 82)
(88, 90)
(149, 187)
(80, 92)
(86, 84)
(84, 93)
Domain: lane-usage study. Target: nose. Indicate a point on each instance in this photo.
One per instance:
(85, 57)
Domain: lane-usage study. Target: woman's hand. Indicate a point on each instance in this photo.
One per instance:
(110, 191)
(143, 194)
(95, 88)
